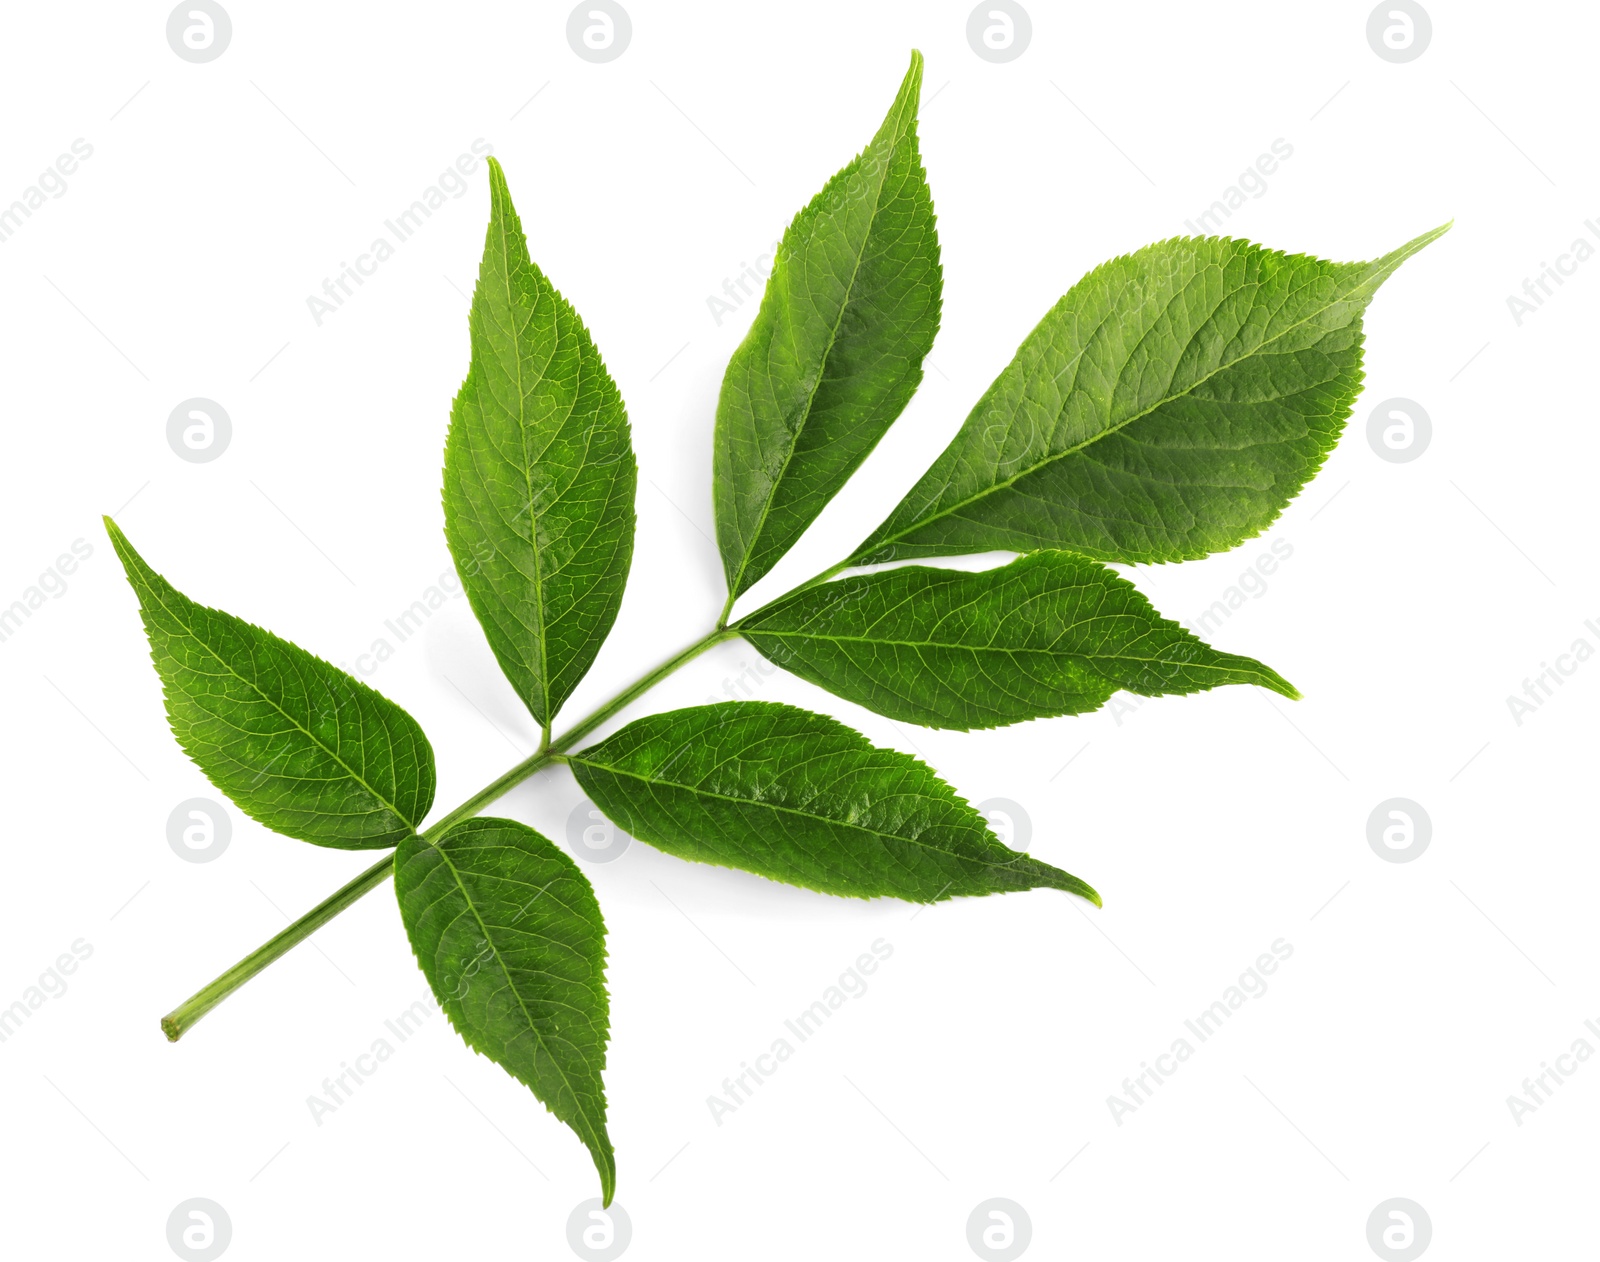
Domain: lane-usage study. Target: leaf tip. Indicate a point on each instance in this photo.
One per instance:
(1056, 879)
(499, 190)
(1428, 238)
(1384, 267)
(605, 1163)
(126, 552)
(911, 86)
(1274, 682)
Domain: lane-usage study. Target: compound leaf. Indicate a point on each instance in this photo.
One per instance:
(1167, 407)
(836, 349)
(539, 474)
(801, 798)
(510, 938)
(1050, 633)
(298, 745)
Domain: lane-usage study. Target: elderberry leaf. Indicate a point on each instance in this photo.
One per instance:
(836, 349)
(539, 474)
(298, 745)
(801, 798)
(1051, 633)
(1169, 406)
(510, 938)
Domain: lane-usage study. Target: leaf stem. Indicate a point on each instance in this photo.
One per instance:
(636, 690)
(178, 1022)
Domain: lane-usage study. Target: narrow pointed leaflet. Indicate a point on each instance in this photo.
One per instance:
(1169, 406)
(1051, 633)
(298, 745)
(836, 349)
(511, 940)
(539, 474)
(801, 798)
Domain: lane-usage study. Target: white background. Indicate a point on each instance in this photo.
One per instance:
(979, 1062)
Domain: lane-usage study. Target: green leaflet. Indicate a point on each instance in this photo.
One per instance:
(1051, 633)
(801, 798)
(509, 936)
(1167, 407)
(836, 349)
(299, 745)
(538, 474)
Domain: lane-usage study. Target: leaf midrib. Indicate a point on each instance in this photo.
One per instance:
(788, 810)
(527, 465)
(968, 648)
(992, 488)
(591, 1140)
